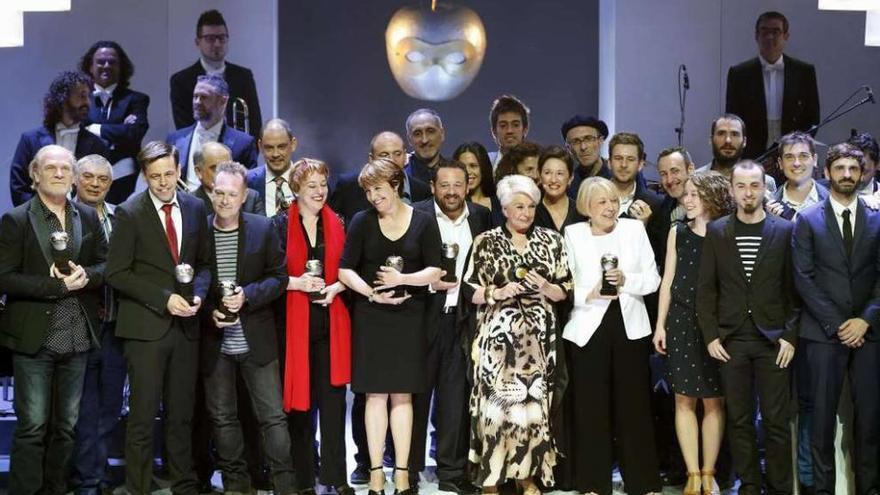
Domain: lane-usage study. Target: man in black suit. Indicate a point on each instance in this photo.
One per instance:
(425, 132)
(65, 107)
(246, 251)
(117, 114)
(271, 181)
(206, 162)
(460, 222)
(836, 271)
(626, 153)
(747, 311)
(773, 93)
(209, 100)
(212, 39)
(156, 233)
(51, 318)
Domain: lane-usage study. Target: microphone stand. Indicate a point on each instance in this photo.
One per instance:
(683, 87)
(827, 120)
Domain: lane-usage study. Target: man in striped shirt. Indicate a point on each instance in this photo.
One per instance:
(247, 252)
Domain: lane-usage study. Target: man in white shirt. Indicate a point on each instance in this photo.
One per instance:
(277, 144)
(797, 159)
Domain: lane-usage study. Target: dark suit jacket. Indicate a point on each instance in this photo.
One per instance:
(347, 198)
(241, 85)
(25, 258)
(725, 298)
(745, 97)
(28, 146)
(123, 139)
(243, 146)
(262, 274)
(253, 203)
(141, 269)
(835, 288)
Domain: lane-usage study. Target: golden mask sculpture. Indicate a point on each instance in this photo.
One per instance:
(435, 54)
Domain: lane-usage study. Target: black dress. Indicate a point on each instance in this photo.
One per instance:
(543, 218)
(389, 343)
(693, 372)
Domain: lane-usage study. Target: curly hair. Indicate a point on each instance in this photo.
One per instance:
(126, 67)
(59, 91)
(509, 161)
(714, 191)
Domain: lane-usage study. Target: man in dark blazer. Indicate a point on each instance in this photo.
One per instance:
(209, 99)
(425, 132)
(277, 144)
(460, 222)
(348, 198)
(247, 251)
(792, 103)
(156, 232)
(212, 39)
(206, 162)
(836, 271)
(747, 311)
(51, 319)
(65, 107)
(117, 114)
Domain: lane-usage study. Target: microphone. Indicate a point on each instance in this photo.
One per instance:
(870, 94)
(687, 81)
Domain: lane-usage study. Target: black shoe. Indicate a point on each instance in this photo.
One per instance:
(412, 478)
(460, 486)
(344, 490)
(807, 490)
(360, 475)
(206, 487)
(376, 492)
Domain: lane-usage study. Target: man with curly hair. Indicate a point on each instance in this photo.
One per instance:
(65, 106)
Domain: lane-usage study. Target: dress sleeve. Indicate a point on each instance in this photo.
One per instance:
(561, 272)
(354, 242)
(471, 271)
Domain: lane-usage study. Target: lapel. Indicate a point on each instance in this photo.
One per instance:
(76, 233)
(228, 139)
(833, 228)
(40, 230)
(768, 233)
(183, 144)
(730, 243)
(242, 238)
(789, 85)
(860, 227)
(757, 81)
(81, 140)
(187, 224)
(156, 225)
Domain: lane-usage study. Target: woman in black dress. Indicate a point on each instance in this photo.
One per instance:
(555, 171)
(693, 373)
(481, 187)
(389, 345)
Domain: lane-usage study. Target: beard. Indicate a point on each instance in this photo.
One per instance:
(847, 188)
(750, 208)
(725, 161)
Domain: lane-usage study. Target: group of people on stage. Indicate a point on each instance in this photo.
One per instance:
(512, 298)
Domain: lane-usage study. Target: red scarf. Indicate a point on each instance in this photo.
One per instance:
(296, 374)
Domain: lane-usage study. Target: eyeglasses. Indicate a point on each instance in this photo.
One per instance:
(588, 139)
(213, 38)
(802, 157)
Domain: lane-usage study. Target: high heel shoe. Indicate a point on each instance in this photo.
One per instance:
(708, 482)
(692, 487)
(408, 491)
(376, 492)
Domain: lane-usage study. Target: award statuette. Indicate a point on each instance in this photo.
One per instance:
(447, 261)
(395, 262)
(227, 288)
(609, 262)
(184, 275)
(315, 268)
(60, 256)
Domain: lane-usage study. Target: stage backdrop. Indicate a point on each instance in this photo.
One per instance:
(336, 89)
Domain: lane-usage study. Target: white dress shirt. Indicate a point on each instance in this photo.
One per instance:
(811, 199)
(629, 242)
(199, 138)
(838, 213)
(66, 137)
(627, 201)
(271, 186)
(213, 69)
(774, 85)
(175, 215)
(455, 231)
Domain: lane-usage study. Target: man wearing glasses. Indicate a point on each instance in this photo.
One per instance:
(584, 137)
(212, 38)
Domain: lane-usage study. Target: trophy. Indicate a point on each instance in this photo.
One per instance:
(395, 262)
(184, 274)
(316, 269)
(59, 251)
(447, 261)
(609, 262)
(227, 288)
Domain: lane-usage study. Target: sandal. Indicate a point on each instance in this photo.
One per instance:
(692, 487)
(376, 492)
(407, 491)
(708, 482)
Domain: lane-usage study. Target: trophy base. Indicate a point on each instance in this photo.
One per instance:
(605, 291)
(453, 279)
(315, 296)
(62, 267)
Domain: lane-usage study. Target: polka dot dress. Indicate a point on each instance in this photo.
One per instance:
(692, 371)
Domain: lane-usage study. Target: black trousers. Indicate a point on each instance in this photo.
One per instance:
(447, 379)
(610, 385)
(329, 403)
(753, 364)
(163, 371)
(830, 364)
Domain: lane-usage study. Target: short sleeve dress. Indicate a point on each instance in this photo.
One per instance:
(389, 342)
(692, 370)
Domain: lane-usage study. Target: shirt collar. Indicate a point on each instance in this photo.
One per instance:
(812, 196)
(270, 175)
(60, 127)
(158, 203)
(838, 207)
(778, 65)
(458, 221)
(109, 89)
(213, 130)
(212, 68)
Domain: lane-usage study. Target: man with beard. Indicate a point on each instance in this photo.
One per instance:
(728, 138)
(209, 99)
(868, 144)
(747, 312)
(460, 222)
(584, 137)
(509, 124)
(835, 250)
(426, 135)
(65, 107)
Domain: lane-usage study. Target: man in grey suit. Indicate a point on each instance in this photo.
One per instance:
(835, 249)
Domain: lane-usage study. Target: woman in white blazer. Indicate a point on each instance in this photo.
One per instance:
(609, 341)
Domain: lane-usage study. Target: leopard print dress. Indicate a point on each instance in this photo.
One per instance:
(513, 359)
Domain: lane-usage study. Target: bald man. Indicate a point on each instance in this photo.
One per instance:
(206, 161)
(277, 144)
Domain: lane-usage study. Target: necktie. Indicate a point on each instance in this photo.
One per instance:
(171, 231)
(280, 198)
(847, 233)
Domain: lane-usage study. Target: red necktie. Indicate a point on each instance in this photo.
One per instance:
(170, 231)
